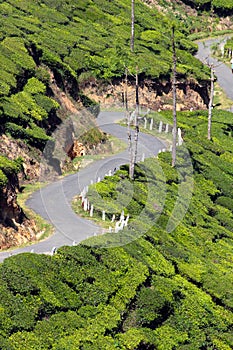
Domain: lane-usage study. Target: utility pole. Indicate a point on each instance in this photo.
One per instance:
(174, 130)
(210, 101)
(132, 27)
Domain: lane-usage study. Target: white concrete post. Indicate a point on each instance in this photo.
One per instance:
(180, 140)
(160, 126)
(85, 204)
(145, 123)
(127, 220)
(117, 226)
(54, 249)
(91, 210)
(122, 225)
(151, 123)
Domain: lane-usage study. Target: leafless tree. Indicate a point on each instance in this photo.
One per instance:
(134, 152)
(174, 130)
(132, 26)
(128, 119)
(210, 101)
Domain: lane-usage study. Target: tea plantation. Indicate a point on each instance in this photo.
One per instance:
(162, 290)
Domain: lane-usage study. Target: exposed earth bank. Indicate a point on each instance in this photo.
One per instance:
(156, 95)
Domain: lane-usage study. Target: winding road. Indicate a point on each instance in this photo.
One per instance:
(221, 70)
(53, 202)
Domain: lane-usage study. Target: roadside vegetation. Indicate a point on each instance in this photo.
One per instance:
(44, 228)
(153, 287)
(163, 290)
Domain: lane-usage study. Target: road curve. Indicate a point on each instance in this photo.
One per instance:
(53, 202)
(221, 70)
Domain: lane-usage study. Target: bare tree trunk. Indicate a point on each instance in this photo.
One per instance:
(174, 130)
(126, 90)
(211, 15)
(130, 146)
(132, 27)
(211, 102)
(128, 123)
(136, 131)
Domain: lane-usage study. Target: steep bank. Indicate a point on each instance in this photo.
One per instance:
(156, 95)
(15, 227)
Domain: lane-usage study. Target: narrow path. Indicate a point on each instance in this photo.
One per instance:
(53, 202)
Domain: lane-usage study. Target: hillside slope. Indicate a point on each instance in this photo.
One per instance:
(51, 51)
(163, 290)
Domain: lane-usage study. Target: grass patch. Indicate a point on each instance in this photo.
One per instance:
(220, 98)
(78, 209)
(44, 228)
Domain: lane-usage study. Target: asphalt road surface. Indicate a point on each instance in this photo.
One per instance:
(53, 202)
(221, 70)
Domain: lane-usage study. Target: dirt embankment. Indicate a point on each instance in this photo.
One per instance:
(153, 95)
(15, 228)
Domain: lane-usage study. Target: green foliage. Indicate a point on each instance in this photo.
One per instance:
(15, 47)
(34, 86)
(63, 298)
(95, 37)
(180, 310)
(24, 110)
(221, 5)
(3, 179)
(8, 168)
(163, 290)
(78, 42)
(42, 74)
(34, 135)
